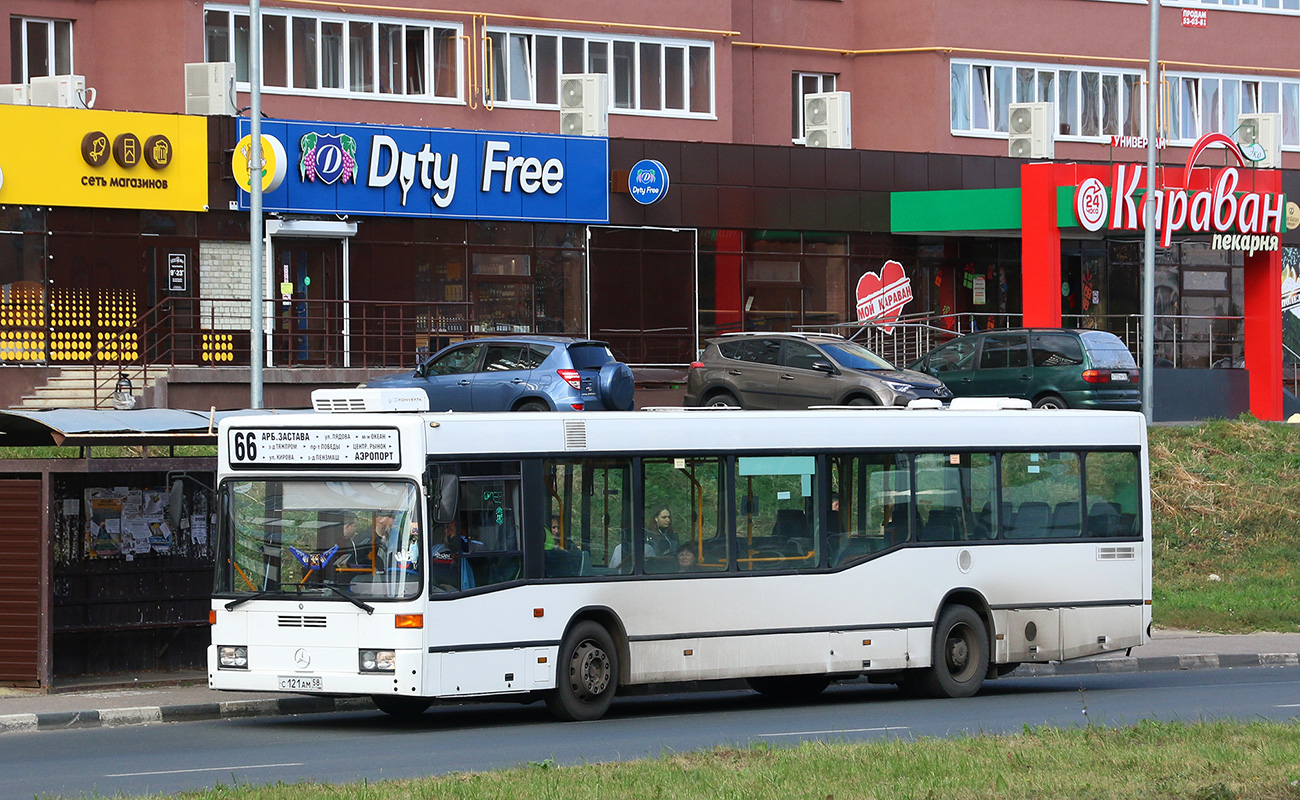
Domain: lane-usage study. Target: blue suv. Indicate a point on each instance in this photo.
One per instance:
(520, 373)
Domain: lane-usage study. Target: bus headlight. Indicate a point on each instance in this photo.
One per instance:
(378, 661)
(232, 657)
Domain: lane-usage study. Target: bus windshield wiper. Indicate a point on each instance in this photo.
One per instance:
(258, 595)
(361, 604)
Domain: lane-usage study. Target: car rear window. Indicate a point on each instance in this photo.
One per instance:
(1106, 351)
(590, 356)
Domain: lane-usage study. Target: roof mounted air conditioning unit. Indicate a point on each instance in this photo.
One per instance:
(827, 120)
(584, 105)
(210, 89)
(1030, 131)
(1260, 137)
(62, 91)
(15, 94)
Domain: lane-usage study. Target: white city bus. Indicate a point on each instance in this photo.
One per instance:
(413, 556)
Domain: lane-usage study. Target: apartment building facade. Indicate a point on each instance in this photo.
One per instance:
(758, 230)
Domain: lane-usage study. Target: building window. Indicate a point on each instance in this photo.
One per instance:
(804, 84)
(340, 55)
(1261, 6)
(667, 78)
(1091, 104)
(1201, 104)
(39, 48)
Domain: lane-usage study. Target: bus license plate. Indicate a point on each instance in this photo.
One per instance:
(1119, 376)
(296, 683)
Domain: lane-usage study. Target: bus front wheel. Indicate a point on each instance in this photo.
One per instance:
(961, 655)
(588, 674)
(401, 706)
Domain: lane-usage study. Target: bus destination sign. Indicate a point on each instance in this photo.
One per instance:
(323, 447)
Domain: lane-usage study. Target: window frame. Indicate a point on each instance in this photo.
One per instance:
(59, 35)
(989, 86)
(322, 62)
(599, 53)
(826, 82)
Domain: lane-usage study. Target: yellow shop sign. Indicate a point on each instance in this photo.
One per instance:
(103, 159)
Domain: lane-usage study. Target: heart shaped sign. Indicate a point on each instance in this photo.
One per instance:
(881, 297)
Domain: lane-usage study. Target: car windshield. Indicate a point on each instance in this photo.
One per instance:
(1108, 352)
(346, 540)
(854, 356)
(590, 355)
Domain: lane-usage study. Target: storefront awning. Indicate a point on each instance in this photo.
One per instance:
(82, 426)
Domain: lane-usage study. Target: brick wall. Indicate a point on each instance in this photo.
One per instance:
(225, 273)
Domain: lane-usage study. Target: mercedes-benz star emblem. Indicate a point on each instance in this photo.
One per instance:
(302, 658)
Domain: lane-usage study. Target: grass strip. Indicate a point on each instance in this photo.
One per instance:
(1150, 760)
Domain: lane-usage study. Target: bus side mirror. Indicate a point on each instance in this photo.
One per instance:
(446, 498)
(175, 501)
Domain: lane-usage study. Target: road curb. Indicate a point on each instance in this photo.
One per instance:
(289, 706)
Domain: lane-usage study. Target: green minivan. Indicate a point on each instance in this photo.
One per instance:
(1050, 367)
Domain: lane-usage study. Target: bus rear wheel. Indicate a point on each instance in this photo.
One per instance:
(961, 655)
(588, 676)
(790, 687)
(400, 706)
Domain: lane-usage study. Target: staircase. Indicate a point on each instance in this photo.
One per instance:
(74, 387)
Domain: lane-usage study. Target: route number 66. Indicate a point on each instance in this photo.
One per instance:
(245, 445)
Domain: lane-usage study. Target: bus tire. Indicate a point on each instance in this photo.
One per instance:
(588, 674)
(401, 706)
(789, 687)
(961, 654)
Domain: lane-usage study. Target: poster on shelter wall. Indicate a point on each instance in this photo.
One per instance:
(104, 522)
(126, 522)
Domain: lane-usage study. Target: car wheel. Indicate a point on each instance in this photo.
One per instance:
(722, 400)
(863, 401)
(1050, 401)
(533, 405)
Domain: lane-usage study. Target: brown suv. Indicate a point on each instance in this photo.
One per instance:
(794, 370)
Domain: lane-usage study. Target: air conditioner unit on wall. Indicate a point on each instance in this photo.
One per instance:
(827, 120)
(1030, 129)
(584, 105)
(15, 94)
(1261, 134)
(210, 89)
(62, 91)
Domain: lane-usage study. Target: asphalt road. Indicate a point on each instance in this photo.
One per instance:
(165, 758)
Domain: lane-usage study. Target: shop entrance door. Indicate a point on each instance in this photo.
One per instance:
(306, 279)
(24, 585)
(643, 293)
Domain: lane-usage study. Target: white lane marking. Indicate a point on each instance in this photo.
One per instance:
(203, 769)
(1290, 705)
(838, 730)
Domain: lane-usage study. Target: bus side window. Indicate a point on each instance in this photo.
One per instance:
(589, 513)
(1113, 484)
(871, 503)
(689, 489)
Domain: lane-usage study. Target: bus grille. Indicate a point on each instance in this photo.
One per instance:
(1116, 554)
(298, 621)
(338, 403)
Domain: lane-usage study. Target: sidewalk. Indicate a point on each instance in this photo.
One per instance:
(176, 697)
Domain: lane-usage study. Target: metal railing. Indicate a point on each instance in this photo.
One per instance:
(316, 333)
(1181, 341)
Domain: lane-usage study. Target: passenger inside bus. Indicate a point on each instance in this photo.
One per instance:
(449, 569)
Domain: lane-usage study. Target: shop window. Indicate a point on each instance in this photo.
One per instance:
(503, 264)
(39, 48)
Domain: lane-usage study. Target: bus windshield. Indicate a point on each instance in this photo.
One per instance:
(340, 539)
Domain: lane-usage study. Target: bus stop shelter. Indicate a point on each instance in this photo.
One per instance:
(93, 579)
